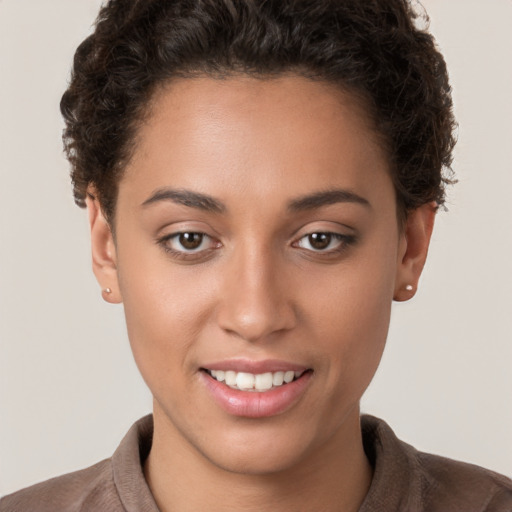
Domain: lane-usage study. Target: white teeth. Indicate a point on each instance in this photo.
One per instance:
(245, 380)
(278, 378)
(230, 378)
(263, 381)
(289, 376)
(251, 382)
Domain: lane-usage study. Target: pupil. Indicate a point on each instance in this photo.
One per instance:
(320, 240)
(191, 240)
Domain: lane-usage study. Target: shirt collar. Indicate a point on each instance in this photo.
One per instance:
(127, 464)
(395, 483)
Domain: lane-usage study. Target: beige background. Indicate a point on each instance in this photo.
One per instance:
(68, 386)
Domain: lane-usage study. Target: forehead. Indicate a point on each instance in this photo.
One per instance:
(250, 136)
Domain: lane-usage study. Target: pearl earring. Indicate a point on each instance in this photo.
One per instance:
(409, 288)
(107, 290)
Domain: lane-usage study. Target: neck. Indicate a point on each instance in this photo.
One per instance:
(336, 477)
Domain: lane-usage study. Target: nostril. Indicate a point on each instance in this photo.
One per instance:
(256, 322)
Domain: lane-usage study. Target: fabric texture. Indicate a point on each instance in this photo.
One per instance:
(404, 480)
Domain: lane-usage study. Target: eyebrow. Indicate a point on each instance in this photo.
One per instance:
(186, 198)
(324, 198)
(207, 203)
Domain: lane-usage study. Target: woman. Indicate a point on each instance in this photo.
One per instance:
(261, 181)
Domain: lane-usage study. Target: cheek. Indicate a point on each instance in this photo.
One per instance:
(353, 325)
(351, 339)
(357, 294)
(351, 318)
(165, 310)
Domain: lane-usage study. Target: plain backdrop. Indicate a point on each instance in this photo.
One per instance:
(69, 388)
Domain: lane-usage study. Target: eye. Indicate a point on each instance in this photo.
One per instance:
(188, 242)
(324, 242)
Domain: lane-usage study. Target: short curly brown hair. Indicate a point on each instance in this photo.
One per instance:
(370, 47)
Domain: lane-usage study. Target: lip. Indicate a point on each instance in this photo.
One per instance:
(253, 404)
(256, 367)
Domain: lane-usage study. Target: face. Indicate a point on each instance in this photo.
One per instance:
(256, 243)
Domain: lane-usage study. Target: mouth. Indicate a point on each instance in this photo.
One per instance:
(256, 389)
(258, 383)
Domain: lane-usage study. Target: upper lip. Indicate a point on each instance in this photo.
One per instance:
(255, 367)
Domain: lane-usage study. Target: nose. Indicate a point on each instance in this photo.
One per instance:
(256, 298)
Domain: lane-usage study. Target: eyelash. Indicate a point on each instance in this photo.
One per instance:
(344, 242)
(184, 254)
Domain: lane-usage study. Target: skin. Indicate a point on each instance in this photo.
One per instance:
(257, 289)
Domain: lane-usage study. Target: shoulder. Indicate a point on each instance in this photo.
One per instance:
(455, 483)
(112, 485)
(414, 480)
(89, 489)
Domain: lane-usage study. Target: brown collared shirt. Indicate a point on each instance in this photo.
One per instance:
(404, 480)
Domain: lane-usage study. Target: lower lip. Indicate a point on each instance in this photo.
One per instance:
(256, 404)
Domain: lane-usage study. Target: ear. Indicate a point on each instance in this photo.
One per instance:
(413, 249)
(104, 259)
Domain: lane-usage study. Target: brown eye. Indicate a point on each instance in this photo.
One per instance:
(188, 243)
(319, 241)
(325, 242)
(191, 241)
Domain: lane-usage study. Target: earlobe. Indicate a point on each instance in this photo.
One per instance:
(104, 259)
(413, 250)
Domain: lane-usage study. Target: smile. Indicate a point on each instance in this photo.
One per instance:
(263, 389)
(260, 382)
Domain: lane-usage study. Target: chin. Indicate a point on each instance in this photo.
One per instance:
(256, 458)
(260, 447)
